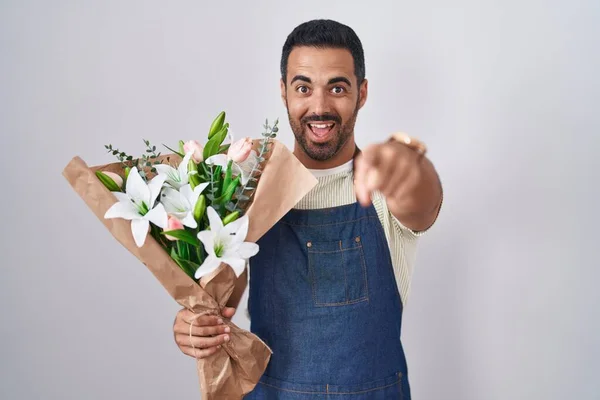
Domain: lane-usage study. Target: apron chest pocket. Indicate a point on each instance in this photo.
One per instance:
(338, 272)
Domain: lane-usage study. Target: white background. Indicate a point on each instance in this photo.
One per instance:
(505, 296)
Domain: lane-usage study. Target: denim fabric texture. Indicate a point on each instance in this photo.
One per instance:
(323, 296)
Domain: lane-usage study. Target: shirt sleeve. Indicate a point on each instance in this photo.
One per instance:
(402, 243)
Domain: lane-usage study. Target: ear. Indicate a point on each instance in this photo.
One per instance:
(283, 91)
(363, 92)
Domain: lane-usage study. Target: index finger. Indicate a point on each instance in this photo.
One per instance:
(203, 320)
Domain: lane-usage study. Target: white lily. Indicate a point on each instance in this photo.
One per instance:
(180, 203)
(175, 177)
(242, 168)
(225, 244)
(138, 204)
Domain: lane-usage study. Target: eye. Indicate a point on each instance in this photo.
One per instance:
(338, 90)
(302, 89)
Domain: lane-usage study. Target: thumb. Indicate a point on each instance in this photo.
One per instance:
(228, 312)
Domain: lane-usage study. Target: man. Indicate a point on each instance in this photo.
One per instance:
(327, 288)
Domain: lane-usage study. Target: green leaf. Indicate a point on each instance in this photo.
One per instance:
(108, 182)
(228, 193)
(174, 151)
(224, 148)
(228, 174)
(186, 266)
(184, 235)
(214, 144)
(218, 179)
(183, 250)
(211, 148)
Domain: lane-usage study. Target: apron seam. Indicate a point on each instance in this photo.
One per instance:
(332, 223)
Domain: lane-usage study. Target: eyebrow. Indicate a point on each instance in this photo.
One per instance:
(331, 81)
(338, 80)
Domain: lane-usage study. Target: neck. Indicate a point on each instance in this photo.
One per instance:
(345, 154)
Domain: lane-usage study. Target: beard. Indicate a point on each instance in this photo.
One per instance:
(323, 151)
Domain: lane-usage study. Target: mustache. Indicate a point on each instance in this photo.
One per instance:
(321, 118)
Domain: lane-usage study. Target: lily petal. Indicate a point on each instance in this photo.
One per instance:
(139, 229)
(122, 196)
(183, 167)
(247, 250)
(239, 229)
(136, 188)
(191, 196)
(208, 240)
(123, 209)
(216, 224)
(155, 185)
(169, 172)
(209, 265)
(200, 188)
(189, 221)
(217, 159)
(158, 216)
(174, 201)
(237, 264)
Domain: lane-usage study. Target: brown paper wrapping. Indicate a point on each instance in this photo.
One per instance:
(235, 369)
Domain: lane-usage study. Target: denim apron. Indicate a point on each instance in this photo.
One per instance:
(323, 296)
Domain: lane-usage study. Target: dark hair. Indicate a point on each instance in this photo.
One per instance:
(325, 33)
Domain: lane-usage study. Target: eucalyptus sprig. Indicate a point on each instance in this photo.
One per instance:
(244, 193)
(121, 155)
(144, 164)
(149, 159)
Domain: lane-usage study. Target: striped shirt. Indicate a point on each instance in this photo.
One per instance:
(336, 188)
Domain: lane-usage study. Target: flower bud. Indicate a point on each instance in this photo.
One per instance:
(172, 225)
(240, 150)
(196, 148)
(115, 177)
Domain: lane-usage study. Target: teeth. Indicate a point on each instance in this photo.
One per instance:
(321, 126)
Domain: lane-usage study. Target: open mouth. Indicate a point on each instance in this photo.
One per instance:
(321, 129)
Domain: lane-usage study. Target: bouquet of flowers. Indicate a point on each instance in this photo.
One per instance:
(193, 217)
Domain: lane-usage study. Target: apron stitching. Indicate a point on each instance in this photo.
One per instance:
(331, 393)
(333, 223)
(364, 266)
(345, 277)
(345, 303)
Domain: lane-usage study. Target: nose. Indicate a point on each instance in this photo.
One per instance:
(320, 103)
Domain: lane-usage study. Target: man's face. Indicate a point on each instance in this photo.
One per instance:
(322, 98)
